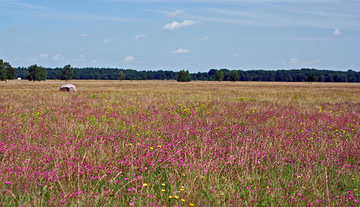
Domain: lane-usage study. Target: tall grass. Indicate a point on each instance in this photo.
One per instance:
(156, 143)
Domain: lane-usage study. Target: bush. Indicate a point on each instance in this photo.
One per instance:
(184, 76)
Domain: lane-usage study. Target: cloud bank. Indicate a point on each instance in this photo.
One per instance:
(337, 32)
(176, 13)
(129, 59)
(139, 36)
(180, 51)
(177, 25)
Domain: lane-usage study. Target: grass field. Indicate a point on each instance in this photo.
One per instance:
(163, 143)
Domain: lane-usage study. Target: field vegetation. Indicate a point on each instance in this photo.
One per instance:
(164, 143)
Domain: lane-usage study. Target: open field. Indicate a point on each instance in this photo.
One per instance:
(156, 143)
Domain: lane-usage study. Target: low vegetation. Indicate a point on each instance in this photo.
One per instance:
(156, 143)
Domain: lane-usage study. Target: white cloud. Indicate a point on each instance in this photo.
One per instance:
(44, 56)
(177, 25)
(139, 36)
(325, 14)
(72, 16)
(85, 35)
(129, 59)
(107, 41)
(293, 61)
(176, 13)
(180, 50)
(25, 5)
(58, 57)
(337, 32)
(13, 28)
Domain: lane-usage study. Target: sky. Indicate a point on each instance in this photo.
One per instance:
(195, 35)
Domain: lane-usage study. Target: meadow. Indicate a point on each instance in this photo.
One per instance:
(164, 143)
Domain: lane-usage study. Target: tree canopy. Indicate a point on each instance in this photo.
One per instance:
(312, 78)
(234, 76)
(66, 73)
(3, 74)
(37, 73)
(6, 71)
(184, 76)
(121, 75)
(294, 75)
(219, 75)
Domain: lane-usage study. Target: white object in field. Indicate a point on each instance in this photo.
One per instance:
(68, 87)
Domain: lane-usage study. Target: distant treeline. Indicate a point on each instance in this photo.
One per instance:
(295, 75)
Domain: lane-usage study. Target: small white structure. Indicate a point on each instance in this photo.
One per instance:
(19, 78)
(68, 87)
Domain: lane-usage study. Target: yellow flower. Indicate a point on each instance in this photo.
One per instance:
(183, 200)
(170, 196)
(145, 184)
(202, 177)
(163, 190)
(222, 194)
(355, 189)
(130, 144)
(176, 197)
(151, 147)
(163, 184)
(191, 204)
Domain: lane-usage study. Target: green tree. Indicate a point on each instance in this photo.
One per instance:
(184, 76)
(10, 71)
(219, 75)
(66, 73)
(121, 75)
(42, 74)
(329, 77)
(37, 73)
(3, 74)
(234, 76)
(32, 73)
(312, 78)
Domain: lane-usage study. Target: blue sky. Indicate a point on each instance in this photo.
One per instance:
(195, 35)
